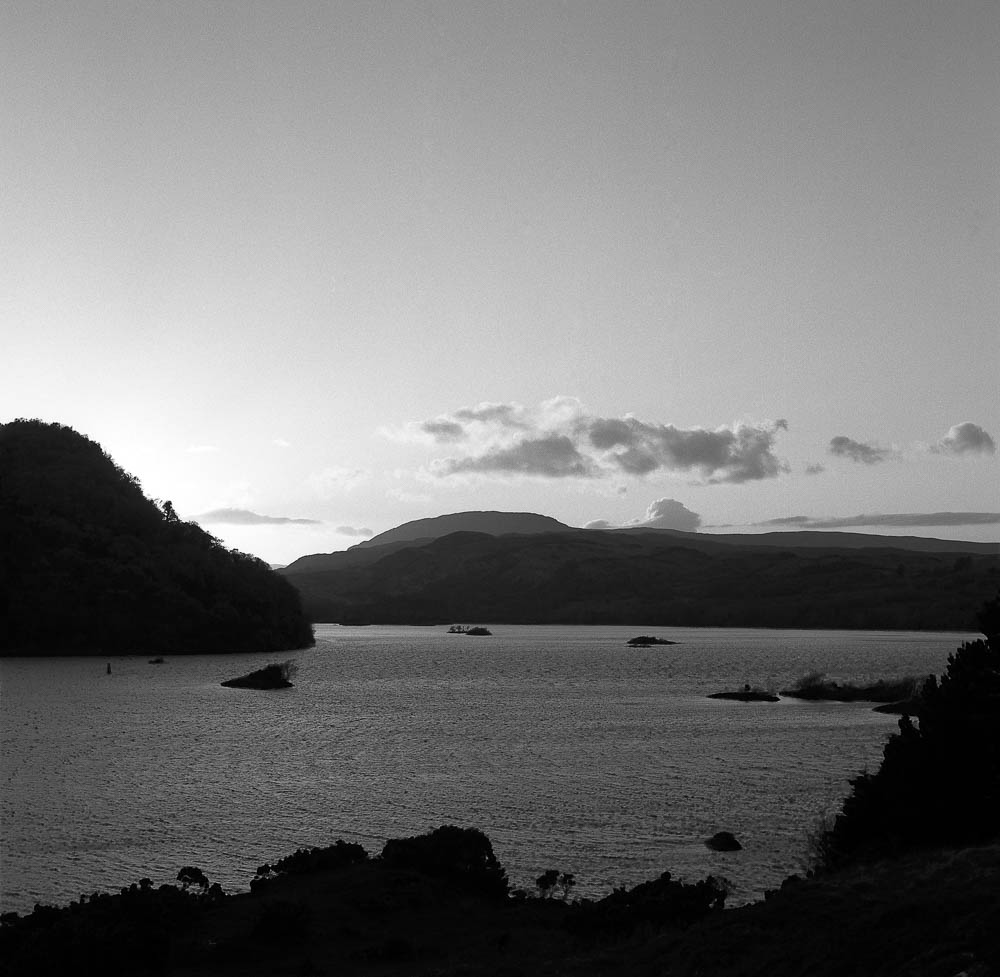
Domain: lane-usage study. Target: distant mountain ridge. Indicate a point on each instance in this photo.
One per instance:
(492, 523)
(421, 531)
(806, 579)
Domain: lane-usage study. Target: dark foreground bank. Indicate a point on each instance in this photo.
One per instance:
(445, 910)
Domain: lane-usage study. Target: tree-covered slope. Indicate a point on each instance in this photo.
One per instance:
(89, 565)
(588, 577)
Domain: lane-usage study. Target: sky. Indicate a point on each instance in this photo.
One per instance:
(312, 270)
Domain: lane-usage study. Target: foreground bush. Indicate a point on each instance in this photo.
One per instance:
(140, 931)
(462, 855)
(306, 861)
(662, 902)
(939, 781)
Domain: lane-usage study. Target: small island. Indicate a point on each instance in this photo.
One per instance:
(747, 694)
(465, 629)
(723, 841)
(644, 640)
(275, 676)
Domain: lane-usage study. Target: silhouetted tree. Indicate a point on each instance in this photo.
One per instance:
(939, 780)
(189, 875)
(462, 855)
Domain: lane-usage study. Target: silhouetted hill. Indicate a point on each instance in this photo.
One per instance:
(421, 531)
(657, 578)
(832, 539)
(89, 565)
(492, 523)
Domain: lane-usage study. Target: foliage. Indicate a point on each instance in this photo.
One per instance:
(550, 880)
(282, 922)
(189, 875)
(815, 686)
(89, 565)
(659, 902)
(461, 855)
(939, 781)
(306, 861)
(142, 930)
(604, 578)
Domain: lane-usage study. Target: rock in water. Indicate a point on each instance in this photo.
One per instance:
(723, 841)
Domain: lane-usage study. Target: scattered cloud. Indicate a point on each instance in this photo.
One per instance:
(965, 438)
(815, 469)
(560, 439)
(201, 449)
(244, 517)
(892, 519)
(555, 456)
(444, 430)
(507, 415)
(661, 514)
(859, 451)
(353, 531)
(670, 514)
(741, 453)
(281, 443)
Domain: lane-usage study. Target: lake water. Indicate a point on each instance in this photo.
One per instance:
(569, 749)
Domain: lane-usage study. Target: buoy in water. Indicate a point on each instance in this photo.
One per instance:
(109, 668)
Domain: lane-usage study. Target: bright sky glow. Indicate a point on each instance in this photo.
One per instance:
(342, 265)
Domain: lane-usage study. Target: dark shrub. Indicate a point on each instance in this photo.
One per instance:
(661, 902)
(939, 781)
(461, 855)
(339, 855)
(281, 923)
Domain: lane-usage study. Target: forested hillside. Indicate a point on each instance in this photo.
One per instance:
(89, 565)
(588, 577)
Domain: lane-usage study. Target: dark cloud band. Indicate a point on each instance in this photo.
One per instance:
(244, 517)
(561, 440)
(896, 519)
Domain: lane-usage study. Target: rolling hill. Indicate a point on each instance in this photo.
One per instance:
(652, 577)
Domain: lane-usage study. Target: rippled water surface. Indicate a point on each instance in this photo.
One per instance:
(567, 748)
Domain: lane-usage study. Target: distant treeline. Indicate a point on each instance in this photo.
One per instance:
(89, 565)
(604, 578)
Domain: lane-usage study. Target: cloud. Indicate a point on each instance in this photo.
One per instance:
(965, 438)
(859, 451)
(670, 514)
(443, 430)
(508, 415)
(892, 519)
(661, 514)
(281, 443)
(244, 517)
(550, 457)
(352, 531)
(814, 469)
(741, 453)
(201, 449)
(560, 439)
